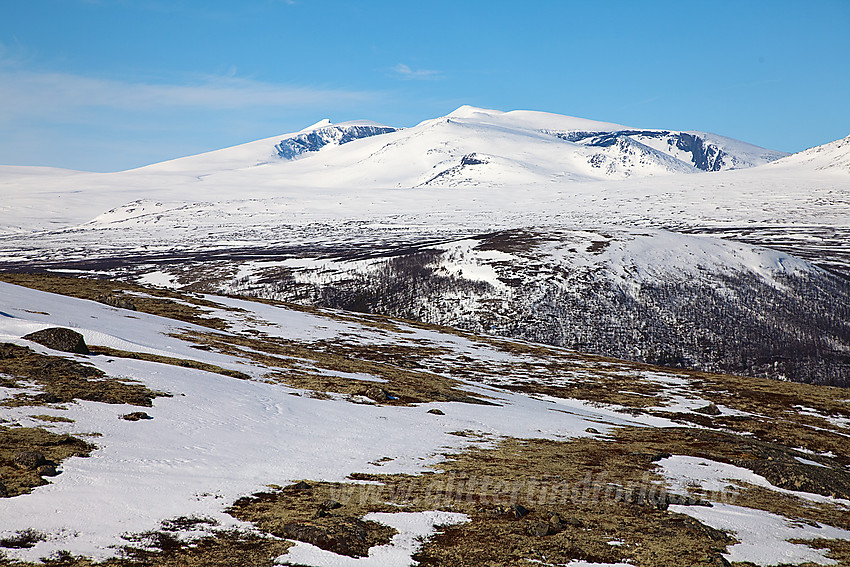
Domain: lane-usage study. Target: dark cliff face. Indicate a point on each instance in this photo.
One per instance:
(704, 155)
(317, 139)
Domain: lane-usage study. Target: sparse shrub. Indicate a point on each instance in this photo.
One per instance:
(23, 539)
(739, 324)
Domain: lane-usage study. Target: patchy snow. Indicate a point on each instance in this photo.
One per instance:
(764, 536)
(199, 454)
(681, 471)
(461, 260)
(447, 179)
(412, 527)
(810, 462)
(157, 279)
(578, 563)
(100, 325)
(835, 420)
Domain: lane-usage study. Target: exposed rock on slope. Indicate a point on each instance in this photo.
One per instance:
(316, 139)
(59, 338)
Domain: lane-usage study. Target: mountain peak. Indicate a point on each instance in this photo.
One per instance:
(833, 156)
(323, 123)
(467, 111)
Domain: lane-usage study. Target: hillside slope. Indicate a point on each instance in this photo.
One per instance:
(645, 295)
(347, 435)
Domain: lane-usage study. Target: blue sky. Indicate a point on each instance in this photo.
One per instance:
(113, 84)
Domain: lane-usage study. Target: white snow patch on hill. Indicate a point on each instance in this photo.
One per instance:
(219, 438)
(412, 527)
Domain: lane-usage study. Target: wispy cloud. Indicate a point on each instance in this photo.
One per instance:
(107, 124)
(407, 73)
(23, 92)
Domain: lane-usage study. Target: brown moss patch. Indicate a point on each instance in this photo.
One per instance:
(590, 499)
(63, 380)
(775, 411)
(556, 501)
(173, 361)
(19, 475)
(762, 394)
(296, 361)
(164, 303)
(527, 500)
(52, 418)
(777, 463)
(312, 516)
(222, 548)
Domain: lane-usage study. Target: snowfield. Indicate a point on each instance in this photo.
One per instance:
(471, 171)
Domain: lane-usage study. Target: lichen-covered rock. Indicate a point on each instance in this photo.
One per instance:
(59, 338)
(710, 409)
(116, 301)
(344, 536)
(379, 395)
(46, 470)
(136, 416)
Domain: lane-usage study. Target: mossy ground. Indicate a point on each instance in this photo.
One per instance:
(16, 479)
(581, 482)
(62, 380)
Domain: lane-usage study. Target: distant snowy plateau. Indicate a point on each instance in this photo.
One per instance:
(684, 249)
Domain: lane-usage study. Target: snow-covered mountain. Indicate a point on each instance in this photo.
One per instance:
(705, 152)
(486, 147)
(362, 190)
(834, 156)
(359, 164)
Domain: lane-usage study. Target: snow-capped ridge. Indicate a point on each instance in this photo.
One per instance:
(529, 119)
(697, 150)
(323, 123)
(330, 135)
(545, 155)
(833, 156)
(469, 111)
